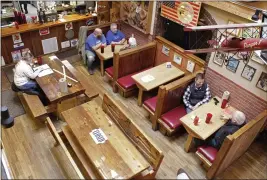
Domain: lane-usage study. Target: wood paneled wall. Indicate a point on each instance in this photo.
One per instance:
(161, 58)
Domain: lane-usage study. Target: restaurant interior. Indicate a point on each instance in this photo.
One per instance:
(134, 89)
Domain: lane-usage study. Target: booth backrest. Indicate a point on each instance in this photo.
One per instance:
(148, 149)
(105, 28)
(236, 145)
(133, 60)
(171, 95)
(176, 50)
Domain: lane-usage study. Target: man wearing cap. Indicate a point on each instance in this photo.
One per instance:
(93, 42)
(237, 120)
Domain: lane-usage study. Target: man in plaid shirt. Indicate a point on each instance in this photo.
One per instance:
(196, 94)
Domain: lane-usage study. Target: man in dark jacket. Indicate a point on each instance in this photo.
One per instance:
(237, 120)
(196, 94)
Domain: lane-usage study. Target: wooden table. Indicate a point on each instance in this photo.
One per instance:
(108, 54)
(161, 75)
(49, 83)
(117, 157)
(203, 130)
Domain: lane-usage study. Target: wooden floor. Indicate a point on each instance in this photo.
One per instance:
(4, 82)
(31, 154)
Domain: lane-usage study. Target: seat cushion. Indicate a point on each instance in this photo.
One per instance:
(151, 103)
(110, 71)
(172, 117)
(208, 152)
(126, 82)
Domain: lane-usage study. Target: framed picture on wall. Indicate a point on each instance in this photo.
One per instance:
(248, 72)
(255, 57)
(177, 58)
(219, 58)
(232, 64)
(262, 82)
(190, 66)
(165, 50)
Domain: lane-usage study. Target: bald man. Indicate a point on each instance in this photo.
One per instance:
(93, 42)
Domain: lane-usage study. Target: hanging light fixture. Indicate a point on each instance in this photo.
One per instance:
(256, 16)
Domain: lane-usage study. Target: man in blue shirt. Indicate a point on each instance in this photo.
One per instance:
(115, 36)
(93, 42)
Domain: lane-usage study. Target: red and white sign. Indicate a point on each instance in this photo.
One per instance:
(44, 31)
(184, 13)
(68, 26)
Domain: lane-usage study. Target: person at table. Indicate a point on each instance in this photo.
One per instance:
(197, 93)
(115, 36)
(235, 122)
(24, 75)
(93, 42)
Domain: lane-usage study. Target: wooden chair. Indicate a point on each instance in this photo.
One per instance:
(129, 62)
(234, 146)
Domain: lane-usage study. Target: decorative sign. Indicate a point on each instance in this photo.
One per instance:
(19, 45)
(177, 58)
(262, 82)
(23, 51)
(16, 38)
(44, 31)
(184, 13)
(98, 136)
(165, 50)
(16, 55)
(68, 26)
(190, 66)
(65, 44)
(74, 42)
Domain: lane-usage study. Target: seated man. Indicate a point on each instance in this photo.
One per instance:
(115, 36)
(237, 120)
(196, 94)
(93, 42)
(24, 75)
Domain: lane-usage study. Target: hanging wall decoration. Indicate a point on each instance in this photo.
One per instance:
(262, 82)
(16, 38)
(248, 72)
(68, 26)
(177, 58)
(165, 50)
(184, 13)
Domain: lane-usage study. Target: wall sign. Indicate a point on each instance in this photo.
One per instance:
(177, 58)
(262, 82)
(165, 50)
(16, 38)
(190, 66)
(44, 31)
(16, 55)
(19, 45)
(184, 13)
(65, 44)
(68, 26)
(74, 42)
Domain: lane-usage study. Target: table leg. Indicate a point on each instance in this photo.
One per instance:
(188, 143)
(102, 67)
(140, 97)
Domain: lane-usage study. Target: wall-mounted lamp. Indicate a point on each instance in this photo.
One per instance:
(257, 15)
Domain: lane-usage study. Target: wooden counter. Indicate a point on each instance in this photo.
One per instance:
(7, 31)
(33, 40)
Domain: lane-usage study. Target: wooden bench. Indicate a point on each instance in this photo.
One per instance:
(143, 144)
(90, 91)
(234, 146)
(127, 63)
(33, 105)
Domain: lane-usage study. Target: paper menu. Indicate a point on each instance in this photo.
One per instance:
(147, 78)
(98, 136)
(46, 70)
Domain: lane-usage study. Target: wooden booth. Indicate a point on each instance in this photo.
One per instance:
(235, 145)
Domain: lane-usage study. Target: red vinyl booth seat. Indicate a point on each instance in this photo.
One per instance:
(172, 118)
(127, 82)
(208, 152)
(151, 103)
(110, 71)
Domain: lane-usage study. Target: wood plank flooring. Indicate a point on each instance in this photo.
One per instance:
(31, 153)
